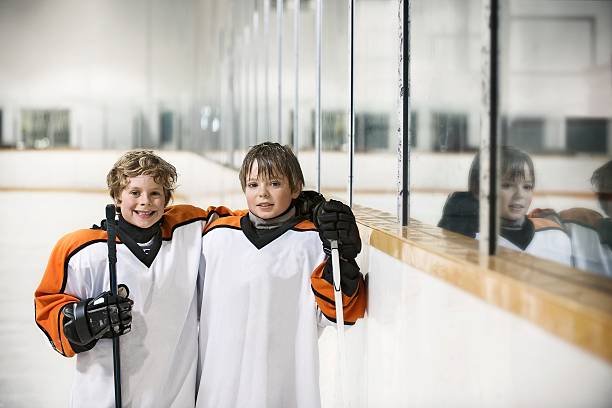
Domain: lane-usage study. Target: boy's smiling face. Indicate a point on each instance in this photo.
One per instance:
(267, 199)
(142, 201)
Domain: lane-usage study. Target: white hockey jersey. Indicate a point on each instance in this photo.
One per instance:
(549, 241)
(159, 355)
(262, 306)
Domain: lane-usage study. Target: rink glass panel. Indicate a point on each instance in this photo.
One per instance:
(375, 78)
(445, 101)
(556, 95)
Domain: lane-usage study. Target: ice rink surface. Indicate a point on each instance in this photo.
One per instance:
(32, 374)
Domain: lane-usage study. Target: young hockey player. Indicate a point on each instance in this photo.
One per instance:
(158, 256)
(541, 237)
(267, 289)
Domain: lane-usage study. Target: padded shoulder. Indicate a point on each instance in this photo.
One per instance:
(545, 224)
(232, 221)
(584, 216)
(78, 239)
(178, 215)
(54, 279)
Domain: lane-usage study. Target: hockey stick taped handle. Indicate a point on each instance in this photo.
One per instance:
(111, 230)
(112, 265)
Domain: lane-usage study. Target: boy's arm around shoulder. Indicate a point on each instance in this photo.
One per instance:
(179, 213)
(49, 297)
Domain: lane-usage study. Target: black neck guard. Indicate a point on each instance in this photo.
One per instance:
(521, 237)
(140, 235)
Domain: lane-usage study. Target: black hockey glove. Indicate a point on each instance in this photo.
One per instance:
(307, 202)
(89, 320)
(335, 221)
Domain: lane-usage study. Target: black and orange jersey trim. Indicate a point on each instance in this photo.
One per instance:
(49, 297)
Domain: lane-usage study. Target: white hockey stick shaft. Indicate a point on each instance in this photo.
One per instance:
(339, 321)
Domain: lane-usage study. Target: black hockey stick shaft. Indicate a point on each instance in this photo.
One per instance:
(112, 265)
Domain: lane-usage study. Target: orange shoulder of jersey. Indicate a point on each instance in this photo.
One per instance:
(584, 216)
(305, 225)
(54, 277)
(49, 297)
(177, 215)
(232, 221)
(545, 224)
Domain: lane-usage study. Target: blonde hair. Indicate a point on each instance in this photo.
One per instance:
(141, 163)
(273, 160)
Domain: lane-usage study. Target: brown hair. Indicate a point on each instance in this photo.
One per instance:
(602, 181)
(273, 160)
(602, 178)
(513, 162)
(141, 163)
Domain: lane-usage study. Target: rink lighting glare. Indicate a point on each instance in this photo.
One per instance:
(215, 125)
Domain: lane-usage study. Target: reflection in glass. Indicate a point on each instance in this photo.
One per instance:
(591, 231)
(445, 77)
(540, 236)
(550, 47)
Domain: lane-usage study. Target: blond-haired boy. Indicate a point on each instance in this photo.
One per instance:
(158, 256)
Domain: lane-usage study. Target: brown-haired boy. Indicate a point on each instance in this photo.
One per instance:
(267, 289)
(158, 256)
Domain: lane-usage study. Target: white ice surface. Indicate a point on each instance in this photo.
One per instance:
(32, 374)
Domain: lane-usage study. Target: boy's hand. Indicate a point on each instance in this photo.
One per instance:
(105, 316)
(335, 221)
(306, 203)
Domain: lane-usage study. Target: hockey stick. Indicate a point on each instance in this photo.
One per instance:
(112, 265)
(339, 321)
